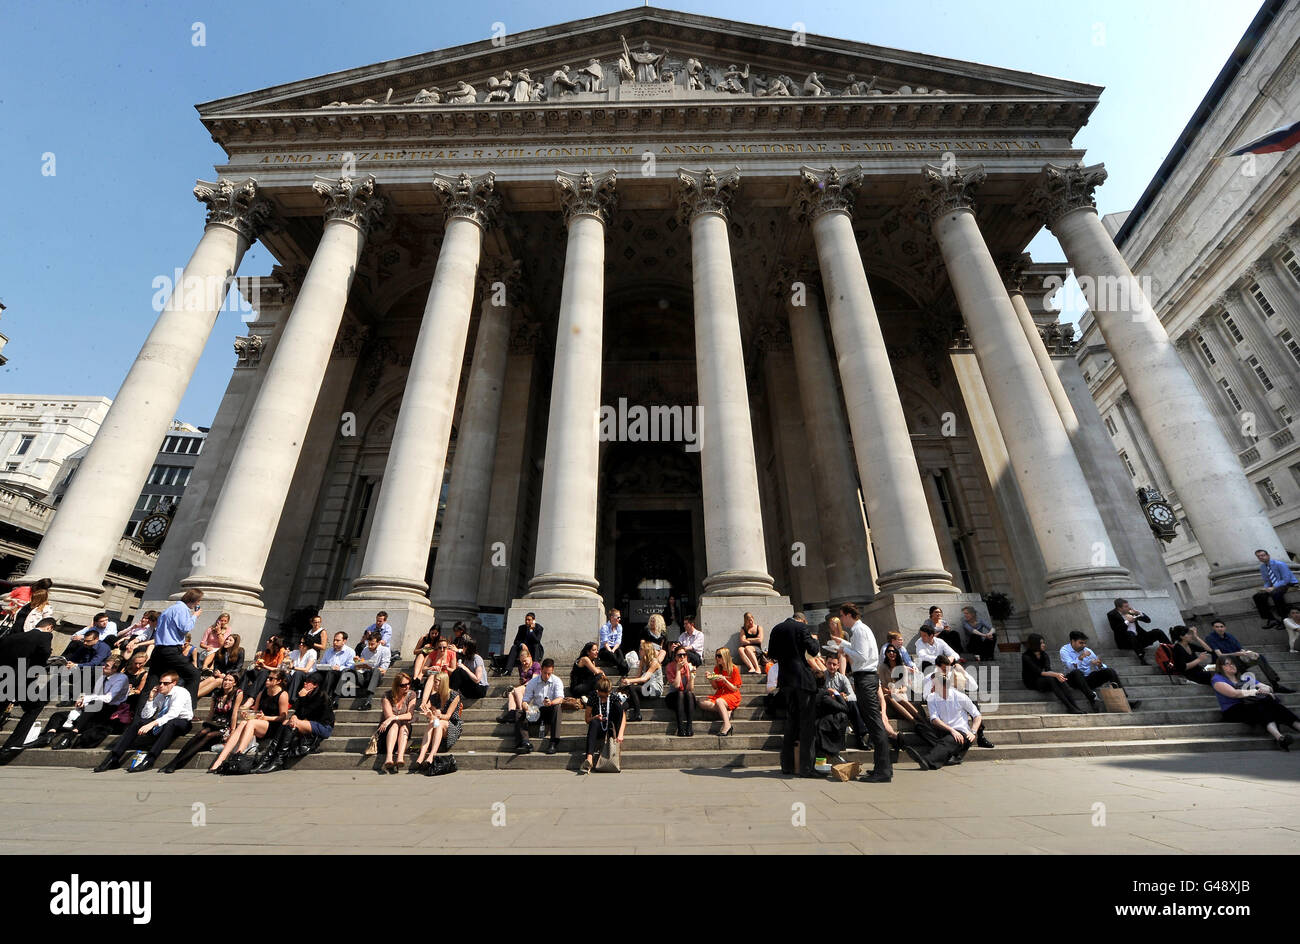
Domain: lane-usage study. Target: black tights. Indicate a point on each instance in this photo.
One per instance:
(684, 704)
(195, 745)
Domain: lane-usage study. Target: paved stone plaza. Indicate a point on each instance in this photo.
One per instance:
(1181, 803)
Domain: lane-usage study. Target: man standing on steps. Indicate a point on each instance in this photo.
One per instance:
(790, 644)
(19, 652)
(864, 659)
(1278, 579)
(176, 622)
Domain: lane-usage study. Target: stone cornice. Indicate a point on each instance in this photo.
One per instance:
(467, 197)
(583, 194)
(352, 200)
(234, 204)
(703, 191)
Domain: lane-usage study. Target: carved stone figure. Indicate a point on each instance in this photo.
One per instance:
(431, 96)
(857, 87)
(564, 82)
(462, 93)
(538, 92)
(813, 85)
(782, 85)
(640, 66)
(733, 80)
(522, 89)
(499, 89)
(592, 77)
(695, 75)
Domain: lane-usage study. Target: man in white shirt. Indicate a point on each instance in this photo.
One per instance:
(929, 647)
(167, 715)
(864, 659)
(546, 693)
(693, 640)
(368, 670)
(954, 722)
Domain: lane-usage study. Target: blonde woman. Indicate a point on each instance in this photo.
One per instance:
(656, 632)
(395, 729)
(212, 639)
(39, 609)
(726, 689)
(442, 709)
(515, 698)
(649, 683)
(751, 645)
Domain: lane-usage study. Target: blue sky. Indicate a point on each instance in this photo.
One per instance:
(108, 88)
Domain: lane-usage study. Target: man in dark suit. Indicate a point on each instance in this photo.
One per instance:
(529, 634)
(790, 643)
(18, 653)
(1124, 621)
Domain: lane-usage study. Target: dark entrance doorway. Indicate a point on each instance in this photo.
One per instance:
(653, 556)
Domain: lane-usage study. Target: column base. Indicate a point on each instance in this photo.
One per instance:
(913, 580)
(569, 623)
(372, 587)
(410, 619)
(562, 587)
(906, 611)
(739, 583)
(720, 617)
(249, 620)
(223, 588)
(1227, 583)
(1116, 581)
(1085, 610)
(452, 611)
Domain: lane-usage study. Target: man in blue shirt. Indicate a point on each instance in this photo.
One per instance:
(611, 637)
(1223, 643)
(380, 625)
(1271, 601)
(176, 622)
(334, 661)
(1085, 670)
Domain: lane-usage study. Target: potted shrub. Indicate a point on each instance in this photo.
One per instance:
(1000, 610)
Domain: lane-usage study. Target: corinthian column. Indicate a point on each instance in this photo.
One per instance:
(907, 552)
(1014, 277)
(78, 547)
(397, 550)
(454, 589)
(1071, 535)
(238, 537)
(1226, 513)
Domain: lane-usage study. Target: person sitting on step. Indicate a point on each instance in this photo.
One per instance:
(545, 693)
(611, 639)
(1278, 581)
(1086, 672)
(954, 722)
(515, 697)
(605, 719)
(299, 665)
(1192, 657)
(395, 728)
(311, 716)
(773, 700)
(751, 645)
(944, 630)
(649, 683)
(585, 673)
(693, 640)
(726, 690)
(166, 714)
(679, 683)
(337, 659)
(267, 661)
(424, 648)
(833, 718)
(442, 660)
(528, 634)
(1292, 626)
(1038, 675)
(228, 660)
(1223, 643)
(215, 729)
(264, 723)
(470, 676)
(929, 646)
(837, 681)
(368, 670)
(93, 708)
(1124, 621)
(981, 639)
(1251, 704)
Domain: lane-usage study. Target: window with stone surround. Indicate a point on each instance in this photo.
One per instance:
(1269, 492)
(1291, 345)
(1292, 264)
(1128, 464)
(1261, 300)
(1258, 368)
(1232, 396)
(1205, 349)
(1233, 330)
(1295, 473)
(23, 445)
(1111, 427)
(1284, 414)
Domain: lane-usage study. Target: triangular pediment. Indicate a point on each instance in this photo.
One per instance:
(670, 57)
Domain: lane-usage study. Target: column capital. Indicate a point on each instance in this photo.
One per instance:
(248, 350)
(944, 189)
(824, 191)
(1125, 399)
(585, 194)
(466, 197)
(1013, 272)
(1183, 344)
(1063, 188)
(1248, 275)
(350, 199)
(703, 191)
(236, 205)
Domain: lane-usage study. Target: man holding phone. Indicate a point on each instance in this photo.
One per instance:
(169, 638)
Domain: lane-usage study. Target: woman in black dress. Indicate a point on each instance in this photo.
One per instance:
(605, 719)
(1192, 658)
(272, 710)
(585, 673)
(215, 729)
(1036, 672)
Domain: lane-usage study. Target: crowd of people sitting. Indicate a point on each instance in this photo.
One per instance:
(891, 699)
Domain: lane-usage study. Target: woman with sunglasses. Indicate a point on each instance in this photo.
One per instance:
(226, 661)
(443, 714)
(216, 729)
(272, 711)
(726, 689)
(679, 682)
(395, 729)
(442, 661)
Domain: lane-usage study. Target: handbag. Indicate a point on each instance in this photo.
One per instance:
(123, 713)
(373, 747)
(610, 760)
(1113, 699)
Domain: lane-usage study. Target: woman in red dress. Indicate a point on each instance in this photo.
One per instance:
(726, 689)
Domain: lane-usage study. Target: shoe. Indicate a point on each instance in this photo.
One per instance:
(1283, 690)
(690, 729)
(981, 740)
(146, 764)
(1135, 705)
(274, 761)
(388, 768)
(550, 747)
(634, 716)
(835, 759)
(110, 762)
(363, 706)
(860, 743)
(874, 777)
(524, 748)
(169, 769)
(1095, 703)
(726, 734)
(1142, 656)
(916, 756)
(586, 765)
(1283, 743)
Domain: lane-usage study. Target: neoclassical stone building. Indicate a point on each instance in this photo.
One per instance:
(505, 267)
(1218, 242)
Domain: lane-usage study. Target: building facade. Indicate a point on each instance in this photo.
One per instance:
(653, 298)
(39, 433)
(1216, 241)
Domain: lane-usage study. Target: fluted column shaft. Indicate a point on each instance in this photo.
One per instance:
(733, 514)
(844, 540)
(397, 551)
(239, 534)
(1071, 534)
(566, 522)
(454, 588)
(1243, 381)
(1225, 510)
(78, 547)
(1265, 346)
(907, 551)
(1213, 396)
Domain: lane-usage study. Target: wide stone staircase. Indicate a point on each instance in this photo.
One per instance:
(1173, 717)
